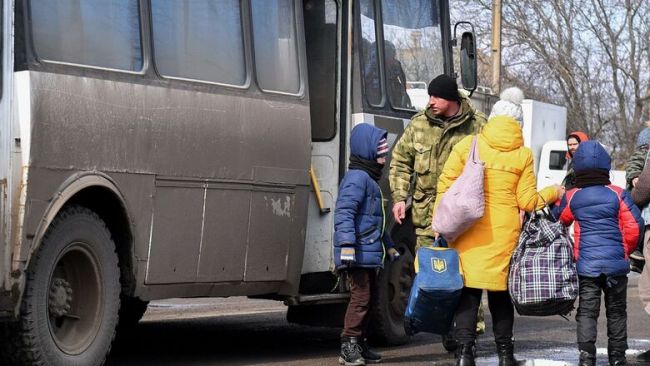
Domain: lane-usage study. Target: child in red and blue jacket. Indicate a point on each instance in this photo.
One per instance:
(608, 227)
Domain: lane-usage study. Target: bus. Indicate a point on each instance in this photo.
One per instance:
(154, 149)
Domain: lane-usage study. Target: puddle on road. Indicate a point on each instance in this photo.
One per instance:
(566, 356)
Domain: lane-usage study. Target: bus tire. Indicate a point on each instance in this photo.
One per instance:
(69, 310)
(393, 288)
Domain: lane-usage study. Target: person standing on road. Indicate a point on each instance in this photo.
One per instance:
(634, 168)
(636, 162)
(572, 142)
(360, 239)
(608, 228)
(486, 247)
(641, 197)
(423, 150)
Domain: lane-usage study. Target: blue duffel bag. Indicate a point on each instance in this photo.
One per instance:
(436, 290)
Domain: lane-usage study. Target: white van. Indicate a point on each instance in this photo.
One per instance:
(553, 164)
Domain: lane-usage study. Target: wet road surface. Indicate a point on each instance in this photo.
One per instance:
(239, 331)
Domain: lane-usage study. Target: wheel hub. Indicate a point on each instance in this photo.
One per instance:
(60, 298)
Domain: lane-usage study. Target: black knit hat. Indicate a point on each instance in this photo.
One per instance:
(444, 87)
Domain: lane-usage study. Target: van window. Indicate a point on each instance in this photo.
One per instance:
(557, 160)
(102, 33)
(199, 39)
(275, 44)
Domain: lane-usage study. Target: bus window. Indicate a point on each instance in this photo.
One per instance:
(275, 43)
(94, 33)
(370, 63)
(320, 36)
(412, 47)
(199, 40)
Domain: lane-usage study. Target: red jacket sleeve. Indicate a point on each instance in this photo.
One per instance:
(630, 222)
(566, 216)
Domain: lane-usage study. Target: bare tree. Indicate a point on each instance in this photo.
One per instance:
(591, 56)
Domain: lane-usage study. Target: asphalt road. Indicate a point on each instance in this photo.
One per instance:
(239, 331)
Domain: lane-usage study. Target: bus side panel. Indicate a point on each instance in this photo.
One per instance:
(176, 234)
(224, 235)
(195, 144)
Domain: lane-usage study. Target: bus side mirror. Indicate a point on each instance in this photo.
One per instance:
(468, 59)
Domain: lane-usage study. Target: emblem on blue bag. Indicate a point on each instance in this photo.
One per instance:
(438, 264)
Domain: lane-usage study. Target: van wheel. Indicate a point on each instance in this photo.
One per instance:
(70, 306)
(393, 289)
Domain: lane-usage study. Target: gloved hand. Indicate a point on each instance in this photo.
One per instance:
(393, 254)
(347, 255)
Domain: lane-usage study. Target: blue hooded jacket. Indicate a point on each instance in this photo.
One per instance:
(608, 225)
(359, 219)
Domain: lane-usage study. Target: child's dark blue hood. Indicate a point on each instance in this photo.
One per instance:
(364, 140)
(591, 155)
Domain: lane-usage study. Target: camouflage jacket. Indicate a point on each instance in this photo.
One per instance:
(634, 165)
(422, 151)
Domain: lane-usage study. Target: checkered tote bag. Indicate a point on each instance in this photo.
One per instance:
(543, 279)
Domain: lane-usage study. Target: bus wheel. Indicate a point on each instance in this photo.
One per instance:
(69, 310)
(393, 289)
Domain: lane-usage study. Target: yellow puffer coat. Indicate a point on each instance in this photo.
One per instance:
(509, 185)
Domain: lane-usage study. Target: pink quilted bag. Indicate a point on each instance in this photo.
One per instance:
(464, 202)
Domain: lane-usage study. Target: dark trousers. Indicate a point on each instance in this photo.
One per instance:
(615, 289)
(503, 315)
(362, 287)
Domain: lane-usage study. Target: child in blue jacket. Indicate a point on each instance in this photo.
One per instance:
(608, 227)
(360, 240)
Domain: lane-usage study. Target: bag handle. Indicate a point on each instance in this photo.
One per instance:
(440, 242)
(548, 213)
(473, 153)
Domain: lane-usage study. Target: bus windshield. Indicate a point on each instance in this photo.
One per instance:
(412, 47)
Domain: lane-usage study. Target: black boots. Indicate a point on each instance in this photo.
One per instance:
(465, 354)
(449, 343)
(505, 351)
(616, 358)
(351, 352)
(587, 359)
(367, 353)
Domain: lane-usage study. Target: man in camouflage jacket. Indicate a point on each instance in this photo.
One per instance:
(636, 162)
(423, 150)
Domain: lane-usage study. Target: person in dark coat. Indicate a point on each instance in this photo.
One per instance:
(361, 242)
(608, 227)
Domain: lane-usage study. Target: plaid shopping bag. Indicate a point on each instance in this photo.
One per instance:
(543, 279)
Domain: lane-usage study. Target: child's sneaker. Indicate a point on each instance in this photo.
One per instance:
(636, 265)
(587, 359)
(637, 255)
(351, 352)
(369, 355)
(617, 358)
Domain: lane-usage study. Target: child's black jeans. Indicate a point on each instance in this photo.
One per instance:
(615, 290)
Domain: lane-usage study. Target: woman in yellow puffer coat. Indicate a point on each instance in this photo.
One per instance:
(486, 247)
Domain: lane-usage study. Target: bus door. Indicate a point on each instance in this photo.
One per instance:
(322, 37)
(6, 65)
